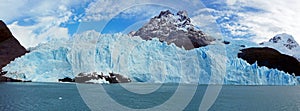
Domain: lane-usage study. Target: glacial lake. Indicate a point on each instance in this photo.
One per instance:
(67, 97)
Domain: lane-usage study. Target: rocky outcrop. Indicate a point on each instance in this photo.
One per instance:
(97, 78)
(10, 48)
(271, 58)
(176, 29)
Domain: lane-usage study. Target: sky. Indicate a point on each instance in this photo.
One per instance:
(37, 21)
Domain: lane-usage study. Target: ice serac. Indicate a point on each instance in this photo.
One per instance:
(176, 29)
(285, 44)
(149, 61)
(10, 48)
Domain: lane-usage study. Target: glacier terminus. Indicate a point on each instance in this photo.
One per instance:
(149, 61)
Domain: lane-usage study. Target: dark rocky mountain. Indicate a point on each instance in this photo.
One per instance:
(271, 58)
(10, 48)
(176, 29)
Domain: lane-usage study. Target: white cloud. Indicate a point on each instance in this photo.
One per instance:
(278, 16)
(106, 9)
(207, 23)
(10, 9)
(45, 29)
(46, 17)
(261, 18)
(29, 38)
(207, 17)
(231, 2)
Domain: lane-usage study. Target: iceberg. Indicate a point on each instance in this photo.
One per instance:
(149, 61)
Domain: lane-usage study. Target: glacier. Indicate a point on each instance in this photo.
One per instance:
(149, 61)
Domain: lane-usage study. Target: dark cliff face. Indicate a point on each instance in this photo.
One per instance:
(271, 58)
(176, 29)
(4, 32)
(10, 48)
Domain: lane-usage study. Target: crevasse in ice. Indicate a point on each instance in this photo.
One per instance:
(149, 61)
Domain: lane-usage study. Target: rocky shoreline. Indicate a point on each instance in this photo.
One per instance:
(94, 77)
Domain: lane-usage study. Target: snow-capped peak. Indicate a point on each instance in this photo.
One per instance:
(286, 40)
(181, 20)
(284, 43)
(176, 29)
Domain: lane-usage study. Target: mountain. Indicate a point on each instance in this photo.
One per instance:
(176, 29)
(10, 48)
(285, 44)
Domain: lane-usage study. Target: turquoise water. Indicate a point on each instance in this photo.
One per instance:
(40, 97)
(65, 97)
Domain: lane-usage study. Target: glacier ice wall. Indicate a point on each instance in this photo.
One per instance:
(143, 61)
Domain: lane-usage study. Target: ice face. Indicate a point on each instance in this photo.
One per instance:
(149, 61)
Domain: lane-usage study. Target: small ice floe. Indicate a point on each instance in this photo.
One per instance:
(59, 98)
